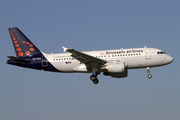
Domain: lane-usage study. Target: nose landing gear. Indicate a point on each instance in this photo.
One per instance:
(148, 71)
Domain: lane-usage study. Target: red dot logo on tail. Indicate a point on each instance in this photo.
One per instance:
(18, 49)
(27, 53)
(16, 45)
(30, 45)
(20, 53)
(31, 49)
(11, 32)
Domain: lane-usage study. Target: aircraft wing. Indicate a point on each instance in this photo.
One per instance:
(85, 58)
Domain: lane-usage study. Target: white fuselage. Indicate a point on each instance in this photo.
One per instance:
(134, 58)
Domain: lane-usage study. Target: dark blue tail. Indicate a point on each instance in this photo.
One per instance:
(22, 45)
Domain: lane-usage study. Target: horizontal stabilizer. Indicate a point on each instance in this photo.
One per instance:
(17, 59)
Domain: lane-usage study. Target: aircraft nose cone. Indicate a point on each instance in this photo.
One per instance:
(170, 59)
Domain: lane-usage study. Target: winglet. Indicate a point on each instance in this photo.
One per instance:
(64, 48)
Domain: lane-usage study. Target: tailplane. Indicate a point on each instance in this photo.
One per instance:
(22, 45)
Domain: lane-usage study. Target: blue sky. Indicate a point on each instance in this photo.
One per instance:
(27, 94)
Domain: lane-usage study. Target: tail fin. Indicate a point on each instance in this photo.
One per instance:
(22, 45)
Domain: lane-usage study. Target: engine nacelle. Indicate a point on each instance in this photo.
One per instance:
(117, 75)
(115, 67)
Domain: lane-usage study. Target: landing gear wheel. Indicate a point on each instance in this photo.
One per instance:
(149, 76)
(148, 71)
(96, 81)
(93, 77)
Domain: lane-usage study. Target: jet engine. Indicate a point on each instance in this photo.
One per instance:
(116, 69)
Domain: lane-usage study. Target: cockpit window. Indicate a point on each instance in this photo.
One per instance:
(161, 52)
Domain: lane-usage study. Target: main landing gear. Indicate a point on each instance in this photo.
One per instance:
(148, 71)
(94, 79)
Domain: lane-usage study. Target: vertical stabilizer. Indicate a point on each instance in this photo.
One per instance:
(22, 45)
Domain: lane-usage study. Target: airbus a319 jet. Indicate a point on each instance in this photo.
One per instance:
(114, 63)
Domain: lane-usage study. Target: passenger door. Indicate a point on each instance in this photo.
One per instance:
(148, 54)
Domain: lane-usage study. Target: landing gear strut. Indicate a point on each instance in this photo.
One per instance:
(148, 71)
(94, 79)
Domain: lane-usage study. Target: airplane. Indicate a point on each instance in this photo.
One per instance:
(114, 63)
